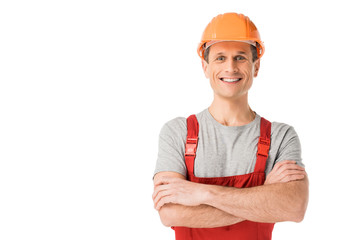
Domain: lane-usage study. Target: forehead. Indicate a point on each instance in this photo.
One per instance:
(230, 47)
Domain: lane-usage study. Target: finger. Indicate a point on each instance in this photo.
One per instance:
(287, 166)
(280, 164)
(158, 197)
(294, 172)
(286, 162)
(289, 173)
(159, 188)
(282, 169)
(163, 201)
(294, 165)
(165, 193)
(165, 180)
(161, 181)
(292, 177)
(279, 168)
(288, 176)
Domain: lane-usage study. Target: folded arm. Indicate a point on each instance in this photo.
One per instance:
(184, 203)
(267, 203)
(201, 216)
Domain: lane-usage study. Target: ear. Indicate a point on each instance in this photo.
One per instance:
(205, 66)
(256, 67)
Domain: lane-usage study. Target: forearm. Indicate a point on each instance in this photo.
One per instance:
(202, 216)
(267, 203)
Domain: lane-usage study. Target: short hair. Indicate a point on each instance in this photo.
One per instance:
(253, 50)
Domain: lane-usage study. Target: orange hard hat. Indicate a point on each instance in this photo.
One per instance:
(231, 27)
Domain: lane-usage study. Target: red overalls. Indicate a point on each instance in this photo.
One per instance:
(246, 229)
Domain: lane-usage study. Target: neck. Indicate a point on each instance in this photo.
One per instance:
(230, 112)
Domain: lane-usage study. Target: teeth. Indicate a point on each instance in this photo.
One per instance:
(230, 79)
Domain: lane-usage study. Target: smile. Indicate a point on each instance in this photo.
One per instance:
(230, 80)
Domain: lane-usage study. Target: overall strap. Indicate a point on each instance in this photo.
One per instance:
(191, 143)
(263, 145)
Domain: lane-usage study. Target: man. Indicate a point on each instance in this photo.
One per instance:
(226, 172)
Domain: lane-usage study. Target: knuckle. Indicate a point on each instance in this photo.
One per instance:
(288, 178)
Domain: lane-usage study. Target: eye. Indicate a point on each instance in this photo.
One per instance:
(239, 58)
(220, 58)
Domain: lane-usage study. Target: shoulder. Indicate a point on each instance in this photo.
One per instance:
(283, 135)
(172, 147)
(174, 130)
(174, 126)
(178, 125)
(286, 142)
(279, 129)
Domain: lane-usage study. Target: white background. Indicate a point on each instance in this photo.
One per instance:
(87, 85)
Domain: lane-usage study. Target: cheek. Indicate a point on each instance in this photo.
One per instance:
(211, 73)
(249, 70)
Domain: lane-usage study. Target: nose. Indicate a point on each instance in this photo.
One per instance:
(231, 66)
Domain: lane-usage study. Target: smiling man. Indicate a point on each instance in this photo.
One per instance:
(226, 172)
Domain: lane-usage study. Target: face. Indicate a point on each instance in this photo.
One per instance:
(231, 69)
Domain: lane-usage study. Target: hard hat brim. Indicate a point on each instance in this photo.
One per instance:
(206, 44)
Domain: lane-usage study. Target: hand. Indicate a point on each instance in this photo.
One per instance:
(179, 191)
(285, 171)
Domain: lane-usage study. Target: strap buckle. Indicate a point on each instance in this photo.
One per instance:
(190, 147)
(263, 147)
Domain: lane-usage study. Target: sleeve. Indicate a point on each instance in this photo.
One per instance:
(289, 148)
(171, 148)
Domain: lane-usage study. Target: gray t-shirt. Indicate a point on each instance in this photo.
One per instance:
(224, 150)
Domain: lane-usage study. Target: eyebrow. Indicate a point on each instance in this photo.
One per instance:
(238, 52)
